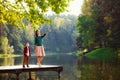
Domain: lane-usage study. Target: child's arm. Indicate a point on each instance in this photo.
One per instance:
(24, 51)
(29, 51)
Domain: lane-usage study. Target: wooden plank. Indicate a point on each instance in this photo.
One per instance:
(10, 69)
(17, 69)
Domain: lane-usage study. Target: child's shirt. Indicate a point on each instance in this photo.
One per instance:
(26, 51)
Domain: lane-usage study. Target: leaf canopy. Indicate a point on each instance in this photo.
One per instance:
(15, 12)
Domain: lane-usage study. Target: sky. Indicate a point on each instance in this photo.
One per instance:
(74, 7)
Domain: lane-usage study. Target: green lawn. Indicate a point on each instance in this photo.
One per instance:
(102, 54)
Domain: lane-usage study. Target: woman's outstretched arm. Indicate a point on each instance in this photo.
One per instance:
(47, 31)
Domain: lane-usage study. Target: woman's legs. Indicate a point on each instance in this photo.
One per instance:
(39, 59)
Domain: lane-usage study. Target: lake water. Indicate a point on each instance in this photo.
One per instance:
(74, 68)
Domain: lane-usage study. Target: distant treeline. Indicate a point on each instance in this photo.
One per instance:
(61, 39)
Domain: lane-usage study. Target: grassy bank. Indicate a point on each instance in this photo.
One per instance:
(102, 54)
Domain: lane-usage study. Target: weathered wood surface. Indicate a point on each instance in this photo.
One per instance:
(17, 69)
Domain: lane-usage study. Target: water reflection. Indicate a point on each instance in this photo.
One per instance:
(7, 61)
(75, 68)
(68, 62)
(98, 70)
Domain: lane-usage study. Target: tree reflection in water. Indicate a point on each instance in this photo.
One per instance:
(68, 62)
(74, 68)
(98, 70)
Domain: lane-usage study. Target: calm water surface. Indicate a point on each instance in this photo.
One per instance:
(75, 68)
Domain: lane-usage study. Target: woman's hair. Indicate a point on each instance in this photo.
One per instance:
(36, 32)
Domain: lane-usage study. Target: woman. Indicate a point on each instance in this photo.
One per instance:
(39, 49)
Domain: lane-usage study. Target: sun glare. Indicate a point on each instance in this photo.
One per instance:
(75, 7)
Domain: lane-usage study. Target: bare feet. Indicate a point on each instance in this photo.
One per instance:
(39, 64)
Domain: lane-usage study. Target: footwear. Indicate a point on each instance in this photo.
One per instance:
(23, 66)
(27, 65)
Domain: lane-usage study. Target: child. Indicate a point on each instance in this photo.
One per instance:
(26, 55)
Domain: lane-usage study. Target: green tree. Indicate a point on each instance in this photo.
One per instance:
(13, 12)
(5, 47)
(86, 27)
(24, 14)
(63, 35)
(101, 19)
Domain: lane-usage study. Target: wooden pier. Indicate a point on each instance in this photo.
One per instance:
(18, 69)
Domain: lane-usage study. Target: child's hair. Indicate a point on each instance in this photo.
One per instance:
(26, 43)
